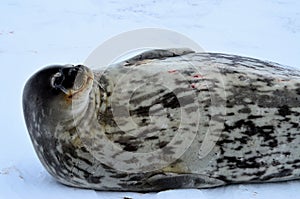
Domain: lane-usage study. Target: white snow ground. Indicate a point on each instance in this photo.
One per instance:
(36, 33)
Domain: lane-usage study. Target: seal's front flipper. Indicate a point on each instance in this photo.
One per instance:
(176, 181)
(157, 54)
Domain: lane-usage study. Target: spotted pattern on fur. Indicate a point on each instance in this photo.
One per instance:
(252, 108)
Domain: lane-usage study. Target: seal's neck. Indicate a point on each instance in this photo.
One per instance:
(85, 108)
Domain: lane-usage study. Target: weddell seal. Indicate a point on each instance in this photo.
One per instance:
(166, 119)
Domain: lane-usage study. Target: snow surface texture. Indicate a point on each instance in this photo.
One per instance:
(36, 33)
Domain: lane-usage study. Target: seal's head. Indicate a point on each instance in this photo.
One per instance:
(54, 94)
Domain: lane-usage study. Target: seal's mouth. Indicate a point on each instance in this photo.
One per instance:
(72, 80)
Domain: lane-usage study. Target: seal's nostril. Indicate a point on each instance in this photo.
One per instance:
(72, 72)
(64, 79)
(57, 79)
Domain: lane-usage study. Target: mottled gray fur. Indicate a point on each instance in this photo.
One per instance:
(245, 113)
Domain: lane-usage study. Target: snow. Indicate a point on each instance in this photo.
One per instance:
(36, 33)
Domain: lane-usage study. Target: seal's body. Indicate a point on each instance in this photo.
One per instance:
(166, 119)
